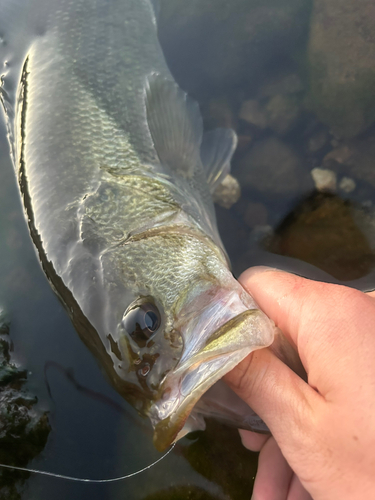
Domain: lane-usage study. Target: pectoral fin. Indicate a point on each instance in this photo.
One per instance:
(175, 125)
(216, 153)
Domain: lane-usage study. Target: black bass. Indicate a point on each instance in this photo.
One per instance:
(117, 176)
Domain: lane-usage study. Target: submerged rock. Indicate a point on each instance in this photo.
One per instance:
(216, 43)
(347, 185)
(279, 113)
(324, 179)
(341, 59)
(272, 167)
(356, 158)
(282, 112)
(24, 428)
(327, 232)
(219, 456)
(228, 192)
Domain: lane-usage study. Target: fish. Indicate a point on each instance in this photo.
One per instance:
(116, 175)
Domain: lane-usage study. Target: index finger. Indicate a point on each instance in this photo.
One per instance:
(320, 319)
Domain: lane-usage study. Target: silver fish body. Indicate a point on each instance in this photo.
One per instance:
(117, 176)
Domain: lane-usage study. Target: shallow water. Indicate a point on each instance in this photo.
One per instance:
(267, 226)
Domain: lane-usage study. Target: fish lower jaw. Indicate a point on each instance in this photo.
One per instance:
(172, 415)
(183, 388)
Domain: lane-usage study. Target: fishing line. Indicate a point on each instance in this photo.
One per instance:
(83, 480)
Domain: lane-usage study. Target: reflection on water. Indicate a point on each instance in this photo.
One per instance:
(296, 80)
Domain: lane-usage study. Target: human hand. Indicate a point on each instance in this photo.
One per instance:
(323, 431)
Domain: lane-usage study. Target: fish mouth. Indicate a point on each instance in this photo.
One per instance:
(218, 352)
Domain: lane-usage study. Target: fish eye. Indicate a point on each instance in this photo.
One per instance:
(141, 322)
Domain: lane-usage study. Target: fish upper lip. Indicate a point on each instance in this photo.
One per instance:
(183, 387)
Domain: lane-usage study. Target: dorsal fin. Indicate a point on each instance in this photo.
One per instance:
(217, 149)
(175, 125)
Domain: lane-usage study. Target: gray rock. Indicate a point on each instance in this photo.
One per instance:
(341, 60)
(226, 43)
(347, 185)
(273, 167)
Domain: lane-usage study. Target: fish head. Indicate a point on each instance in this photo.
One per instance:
(179, 322)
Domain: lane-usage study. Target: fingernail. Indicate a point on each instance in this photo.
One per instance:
(253, 271)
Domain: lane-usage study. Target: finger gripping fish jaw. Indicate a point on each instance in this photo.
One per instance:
(228, 346)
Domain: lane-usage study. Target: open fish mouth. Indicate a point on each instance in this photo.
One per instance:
(220, 351)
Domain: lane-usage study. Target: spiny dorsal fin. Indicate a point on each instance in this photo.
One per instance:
(217, 149)
(175, 125)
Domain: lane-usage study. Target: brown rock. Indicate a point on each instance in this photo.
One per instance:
(325, 231)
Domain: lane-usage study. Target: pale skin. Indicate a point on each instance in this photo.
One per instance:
(323, 431)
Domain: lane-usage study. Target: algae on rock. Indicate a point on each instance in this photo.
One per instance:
(24, 428)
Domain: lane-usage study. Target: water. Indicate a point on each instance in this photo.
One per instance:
(224, 66)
